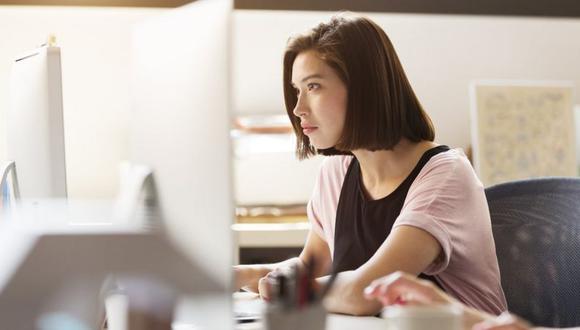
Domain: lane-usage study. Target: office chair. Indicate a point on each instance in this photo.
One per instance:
(536, 227)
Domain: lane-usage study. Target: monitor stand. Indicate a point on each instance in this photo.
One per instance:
(137, 202)
(6, 170)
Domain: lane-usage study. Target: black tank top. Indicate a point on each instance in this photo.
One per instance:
(362, 225)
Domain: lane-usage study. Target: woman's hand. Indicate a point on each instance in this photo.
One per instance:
(247, 276)
(346, 295)
(267, 282)
(401, 288)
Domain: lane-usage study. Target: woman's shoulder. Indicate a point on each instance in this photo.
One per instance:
(329, 184)
(451, 162)
(336, 166)
(447, 175)
(449, 159)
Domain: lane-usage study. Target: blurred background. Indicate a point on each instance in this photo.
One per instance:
(443, 46)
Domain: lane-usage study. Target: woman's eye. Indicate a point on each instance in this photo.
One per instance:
(313, 86)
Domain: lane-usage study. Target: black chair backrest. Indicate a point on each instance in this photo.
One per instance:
(536, 227)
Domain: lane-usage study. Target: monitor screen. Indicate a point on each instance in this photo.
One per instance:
(180, 127)
(180, 130)
(35, 140)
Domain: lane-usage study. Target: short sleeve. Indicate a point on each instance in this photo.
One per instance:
(437, 200)
(313, 208)
(321, 208)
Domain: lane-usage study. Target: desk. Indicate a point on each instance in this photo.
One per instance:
(336, 322)
(333, 322)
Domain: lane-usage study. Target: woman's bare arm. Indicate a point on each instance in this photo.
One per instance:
(315, 251)
(408, 249)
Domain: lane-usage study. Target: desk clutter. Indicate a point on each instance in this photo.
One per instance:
(294, 302)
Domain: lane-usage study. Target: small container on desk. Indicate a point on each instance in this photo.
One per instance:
(312, 317)
(294, 304)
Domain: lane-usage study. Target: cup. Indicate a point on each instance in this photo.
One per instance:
(312, 317)
(439, 317)
(117, 311)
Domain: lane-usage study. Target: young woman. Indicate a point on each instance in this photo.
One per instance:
(388, 198)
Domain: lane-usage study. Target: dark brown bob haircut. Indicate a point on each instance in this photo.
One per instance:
(381, 108)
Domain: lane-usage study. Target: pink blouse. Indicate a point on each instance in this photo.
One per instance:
(447, 200)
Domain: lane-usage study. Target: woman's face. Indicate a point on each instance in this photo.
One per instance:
(322, 100)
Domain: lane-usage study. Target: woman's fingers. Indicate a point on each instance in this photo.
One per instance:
(402, 288)
(265, 284)
(263, 288)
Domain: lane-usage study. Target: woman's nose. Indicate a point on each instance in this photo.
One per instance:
(300, 109)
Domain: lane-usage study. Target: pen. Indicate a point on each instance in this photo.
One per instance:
(303, 287)
(282, 294)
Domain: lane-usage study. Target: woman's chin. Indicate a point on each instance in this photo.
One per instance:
(318, 144)
(321, 146)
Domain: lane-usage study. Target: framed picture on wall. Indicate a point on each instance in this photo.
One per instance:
(522, 130)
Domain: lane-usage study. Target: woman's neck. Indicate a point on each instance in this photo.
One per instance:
(384, 170)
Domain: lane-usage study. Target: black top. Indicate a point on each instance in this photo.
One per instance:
(362, 225)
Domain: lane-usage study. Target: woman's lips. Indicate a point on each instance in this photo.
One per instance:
(308, 129)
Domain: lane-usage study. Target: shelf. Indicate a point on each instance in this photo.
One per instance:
(271, 234)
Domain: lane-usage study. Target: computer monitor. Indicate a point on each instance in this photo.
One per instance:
(180, 127)
(180, 131)
(35, 139)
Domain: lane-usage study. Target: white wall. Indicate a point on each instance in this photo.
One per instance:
(440, 54)
(95, 63)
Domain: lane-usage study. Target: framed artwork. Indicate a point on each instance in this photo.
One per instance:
(522, 130)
